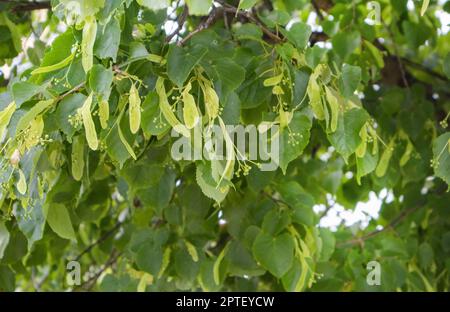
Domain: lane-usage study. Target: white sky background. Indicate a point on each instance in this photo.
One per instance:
(361, 215)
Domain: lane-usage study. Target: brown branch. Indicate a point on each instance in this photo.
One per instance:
(276, 200)
(409, 63)
(317, 36)
(252, 18)
(425, 69)
(181, 20)
(396, 221)
(99, 241)
(210, 20)
(73, 90)
(317, 9)
(4, 83)
(397, 55)
(87, 285)
(25, 6)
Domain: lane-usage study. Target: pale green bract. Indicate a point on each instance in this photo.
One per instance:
(134, 109)
(88, 122)
(87, 44)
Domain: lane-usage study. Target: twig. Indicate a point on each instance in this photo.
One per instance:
(317, 9)
(397, 55)
(425, 69)
(325, 212)
(73, 90)
(24, 6)
(210, 20)
(275, 200)
(396, 221)
(411, 63)
(252, 18)
(87, 285)
(181, 21)
(99, 241)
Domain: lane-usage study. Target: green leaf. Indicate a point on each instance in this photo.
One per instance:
(345, 42)
(60, 49)
(7, 279)
(248, 31)
(240, 261)
(142, 175)
(30, 115)
(153, 121)
(32, 223)
(426, 255)
(298, 34)
(14, 30)
(275, 221)
(299, 200)
(100, 80)
(23, 91)
(346, 139)
(328, 244)
(314, 55)
(375, 53)
(441, 157)
(246, 4)
(69, 107)
(199, 7)
(446, 67)
(5, 117)
(185, 267)
(349, 80)
(265, 247)
(294, 139)
(207, 183)
(416, 34)
(206, 276)
(115, 147)
(228, 72)
(16, 249)
(4, 238)
(108, 40)
(125, 143)
(149, 258)
(445, 242)
(301, 80)
(181, 61)
(59, 220)
(365, 165)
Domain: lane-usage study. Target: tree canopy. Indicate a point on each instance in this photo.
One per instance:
(95, 94)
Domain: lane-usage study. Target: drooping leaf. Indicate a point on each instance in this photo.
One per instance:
(351, 76)
(181, 61)
(346, 139)
(294, 139)
(58, 219)
(265, 246)
(4, 238)
(441, 157)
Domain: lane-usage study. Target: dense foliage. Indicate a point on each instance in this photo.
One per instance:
(94, 88)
